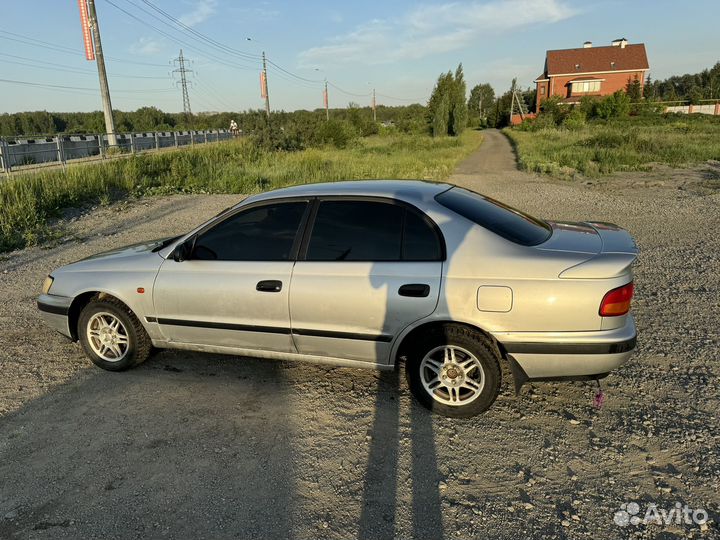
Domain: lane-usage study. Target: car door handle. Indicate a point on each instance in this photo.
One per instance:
(269, 285)
(415, 290)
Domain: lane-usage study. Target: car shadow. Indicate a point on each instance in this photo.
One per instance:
(187, 445)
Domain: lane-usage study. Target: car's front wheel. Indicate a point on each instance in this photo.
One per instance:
(454, 371)
(111, 335)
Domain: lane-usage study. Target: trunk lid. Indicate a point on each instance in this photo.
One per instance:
(591, 237)
(610, 249)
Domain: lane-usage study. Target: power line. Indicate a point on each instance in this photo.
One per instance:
(209, 55)
(70, 69)
(200, 35)
(402, 99)
(61, 86)
(278, 70)
(293, 74)
(336, 87)
(27, 40)
(220, 100)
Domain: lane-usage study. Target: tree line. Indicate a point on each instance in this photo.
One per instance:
(688, 87)
(409, 118)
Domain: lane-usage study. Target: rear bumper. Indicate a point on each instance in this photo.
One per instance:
(54, 311)
(569, 355)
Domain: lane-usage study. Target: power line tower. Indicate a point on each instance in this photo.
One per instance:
(182, 70)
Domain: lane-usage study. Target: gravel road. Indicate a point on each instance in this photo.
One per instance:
(201, 446)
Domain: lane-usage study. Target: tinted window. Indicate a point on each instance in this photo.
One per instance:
(356, 231)
(420, 241)
(264, 233)
(495, 216)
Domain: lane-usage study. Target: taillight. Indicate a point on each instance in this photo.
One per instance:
(617, 301)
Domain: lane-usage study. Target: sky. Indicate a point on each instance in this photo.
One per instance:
(396, 47)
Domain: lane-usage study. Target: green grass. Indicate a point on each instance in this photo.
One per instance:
(28, 201)
(631, 144)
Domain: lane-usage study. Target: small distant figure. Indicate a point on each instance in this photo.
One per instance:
(234, 128)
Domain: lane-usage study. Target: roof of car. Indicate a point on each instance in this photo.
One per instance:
(400, 189)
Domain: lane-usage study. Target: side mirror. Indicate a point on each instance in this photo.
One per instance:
(183, 251)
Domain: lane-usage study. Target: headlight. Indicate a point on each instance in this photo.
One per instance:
(47, 284)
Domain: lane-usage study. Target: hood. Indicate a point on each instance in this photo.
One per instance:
(131, 250)
(135, 258)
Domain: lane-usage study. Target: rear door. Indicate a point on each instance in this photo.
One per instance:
(368, 269)
(234, 289)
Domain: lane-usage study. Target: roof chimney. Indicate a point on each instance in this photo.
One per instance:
(620, 42)
(587, 44)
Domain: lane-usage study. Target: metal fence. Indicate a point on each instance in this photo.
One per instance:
(28, 152)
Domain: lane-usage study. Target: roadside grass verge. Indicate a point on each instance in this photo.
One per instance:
(28, 201)
(629, 144)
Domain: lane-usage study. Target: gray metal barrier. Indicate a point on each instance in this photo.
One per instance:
(26, 152)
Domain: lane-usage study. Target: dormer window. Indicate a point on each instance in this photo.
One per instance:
(612, 65)
(577, 67)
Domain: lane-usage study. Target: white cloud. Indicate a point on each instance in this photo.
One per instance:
(146, 46)
(202, 11)
(262, 11)
(433, 29)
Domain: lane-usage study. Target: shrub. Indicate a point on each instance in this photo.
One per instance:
(552, 108)
(574, 120)
(615, 105)
(543, 121)
(336, 133)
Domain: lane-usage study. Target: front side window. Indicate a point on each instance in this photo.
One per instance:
(371, 231)
(263, 233)
(495, 216)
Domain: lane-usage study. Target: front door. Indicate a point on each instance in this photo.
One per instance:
(370, 268)
(233, 290)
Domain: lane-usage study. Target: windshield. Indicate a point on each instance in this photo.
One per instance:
(495, 216)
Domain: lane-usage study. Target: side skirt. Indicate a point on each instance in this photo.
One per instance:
(271, 355)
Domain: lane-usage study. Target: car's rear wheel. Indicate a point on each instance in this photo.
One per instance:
(454, 371)
(111, 335)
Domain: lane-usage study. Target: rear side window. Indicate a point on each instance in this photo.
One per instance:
(495, 216)
(264, 233)
(371, 231)
(420, 240)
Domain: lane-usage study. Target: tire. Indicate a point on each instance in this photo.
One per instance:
(461, 388)
(111, 335)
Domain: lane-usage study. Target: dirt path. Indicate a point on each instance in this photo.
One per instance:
(495, 156)
(201, 446)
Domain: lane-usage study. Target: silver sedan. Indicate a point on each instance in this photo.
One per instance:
(362, 274)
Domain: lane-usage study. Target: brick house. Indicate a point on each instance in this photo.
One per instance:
(591, 71)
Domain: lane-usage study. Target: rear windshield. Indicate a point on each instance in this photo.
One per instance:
(495, 216)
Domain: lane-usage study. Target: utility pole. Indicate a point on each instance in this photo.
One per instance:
(373, 107)
(100, 61)
(265, 92)
(182, 70)
(325, 100)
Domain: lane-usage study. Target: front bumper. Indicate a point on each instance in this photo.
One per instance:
(55, 312)
(569, 355)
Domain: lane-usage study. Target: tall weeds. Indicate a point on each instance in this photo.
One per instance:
(28, 201)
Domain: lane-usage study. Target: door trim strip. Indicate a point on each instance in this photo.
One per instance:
(384, 338)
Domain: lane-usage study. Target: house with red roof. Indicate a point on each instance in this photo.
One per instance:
(591, 71)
